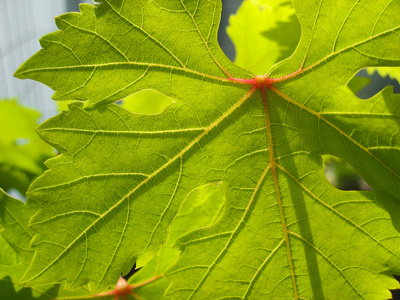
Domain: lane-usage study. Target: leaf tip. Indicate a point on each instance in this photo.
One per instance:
(19, 71)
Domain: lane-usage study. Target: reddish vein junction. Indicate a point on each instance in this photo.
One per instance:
(256, 82)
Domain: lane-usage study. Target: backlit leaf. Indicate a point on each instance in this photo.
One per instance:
(286, 233)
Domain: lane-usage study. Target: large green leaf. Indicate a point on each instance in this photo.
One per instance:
(286, 233)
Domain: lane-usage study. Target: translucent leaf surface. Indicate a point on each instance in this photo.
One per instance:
(286, 232)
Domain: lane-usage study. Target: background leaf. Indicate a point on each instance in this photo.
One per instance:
(22, 152)
(254, 21)
(393, 73)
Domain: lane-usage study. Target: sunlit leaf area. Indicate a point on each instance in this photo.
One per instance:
(179, 166)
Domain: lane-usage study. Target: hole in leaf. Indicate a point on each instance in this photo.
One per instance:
(369, 82)
(147, 102)
(342, 175)
(358, 82)
(13, 192)
(228, 8)
(263, 33)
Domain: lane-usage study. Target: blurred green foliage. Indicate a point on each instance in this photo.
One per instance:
(22, 152)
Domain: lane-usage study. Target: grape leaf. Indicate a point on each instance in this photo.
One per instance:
(22, 152)
(286, 233)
